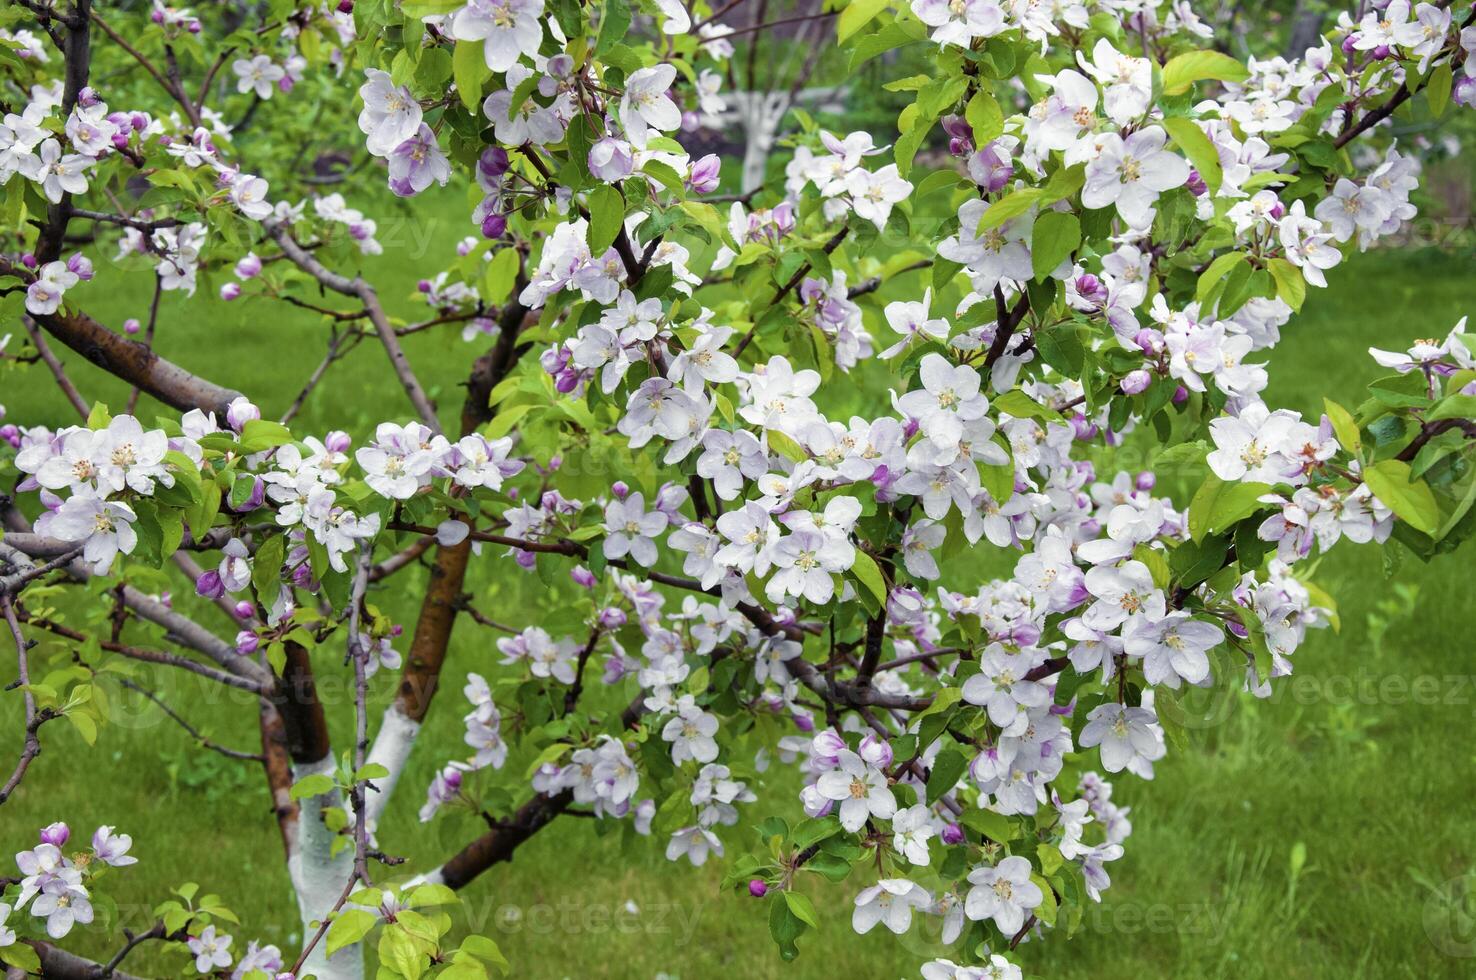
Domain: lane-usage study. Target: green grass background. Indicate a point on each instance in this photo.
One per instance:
(1362, 769)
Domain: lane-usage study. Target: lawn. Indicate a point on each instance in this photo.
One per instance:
(1320, 834)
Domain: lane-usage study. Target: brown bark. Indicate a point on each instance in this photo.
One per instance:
(278, 769)
(296, 697)
(135, 363)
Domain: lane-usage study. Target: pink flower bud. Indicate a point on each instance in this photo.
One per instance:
(80, 266)
(209, 585)
(345, 6)
(245, 610)
(952, 834)
(55, 834)
(28, 260)
(611, 618)
(493, 162)
(494, 226)
(131, 326)
(230, 291)
(1181, 395)
(990, 168)
(1145, 481)
(582, 577)
(1196, 184)
(1465, 91)
(620, 489)
(1136, 382)
(240, 411)
(249, 267)
(247, 642)
(337, 441)
(757, 888)
(704, 177)
(875, 751)
(827, 747)
(1349, 44)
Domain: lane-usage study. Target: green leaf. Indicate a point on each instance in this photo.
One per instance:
(1410, 500)
(785, 446)
(858, 14)
(1291, 285)
(85, 724)
(1197, 147)
(469, 69)
(1055, 236)
(260, 434)
(1046, 910)
(1218, 504)
(1217, 270)
(349, 927)
(1012, 205)
(984, 117)
(501, 276)
(995, 826)
(1453, 407)
(1344, 427)
(606, 216)
(314, 785)
(1050, 858)
(1184, 70)
(21, 956)
(429, 8)
(803, 908)
(400, 952)
(485, 949)
(874, 43)
(1437, 89)
(948, 768)
(785, 927)
(372, 770)
(613, 24)
(1156, 563)
(1015, 402)
(865, 569)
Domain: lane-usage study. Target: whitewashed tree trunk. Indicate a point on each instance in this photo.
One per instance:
(319, 877)
(761, 114)
(391, 749)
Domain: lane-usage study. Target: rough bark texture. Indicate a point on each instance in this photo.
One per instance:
(296, 698)
(137, 364)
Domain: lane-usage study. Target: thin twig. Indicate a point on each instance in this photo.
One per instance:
(195, 733)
